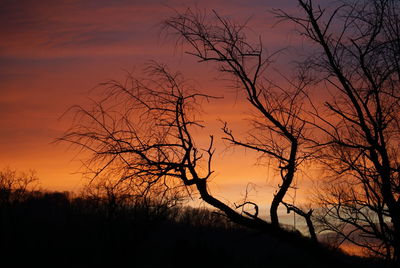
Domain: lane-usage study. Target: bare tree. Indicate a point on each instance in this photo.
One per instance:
(142, 131)
(357, 55)
(14, 185)
(279, 129)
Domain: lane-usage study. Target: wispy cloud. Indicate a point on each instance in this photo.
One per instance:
(53, 51)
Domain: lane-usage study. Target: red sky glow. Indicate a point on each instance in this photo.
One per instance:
(52, 53)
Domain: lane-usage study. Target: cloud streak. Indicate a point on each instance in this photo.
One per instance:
(53, 52)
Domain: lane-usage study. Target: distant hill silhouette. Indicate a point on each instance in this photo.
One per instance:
(54, 229)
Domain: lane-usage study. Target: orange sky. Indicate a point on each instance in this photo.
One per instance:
(53, 52)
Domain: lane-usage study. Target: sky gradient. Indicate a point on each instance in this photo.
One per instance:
(53, 53)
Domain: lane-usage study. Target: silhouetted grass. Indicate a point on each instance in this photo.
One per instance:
(53, 229)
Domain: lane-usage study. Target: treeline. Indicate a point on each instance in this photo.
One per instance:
(63, 229)
(60, 229)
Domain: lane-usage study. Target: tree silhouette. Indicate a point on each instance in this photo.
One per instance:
(358, 54)
(278, 126)
(15, 186)
(142, 131)
(151, 140)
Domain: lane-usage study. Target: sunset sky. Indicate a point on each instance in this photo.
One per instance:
(52, 53)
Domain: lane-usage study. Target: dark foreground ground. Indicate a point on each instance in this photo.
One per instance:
(54, 231)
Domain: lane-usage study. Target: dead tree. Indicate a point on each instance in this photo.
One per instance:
(357, 54)
(278, 132)
(15, 186)
(142, 131)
